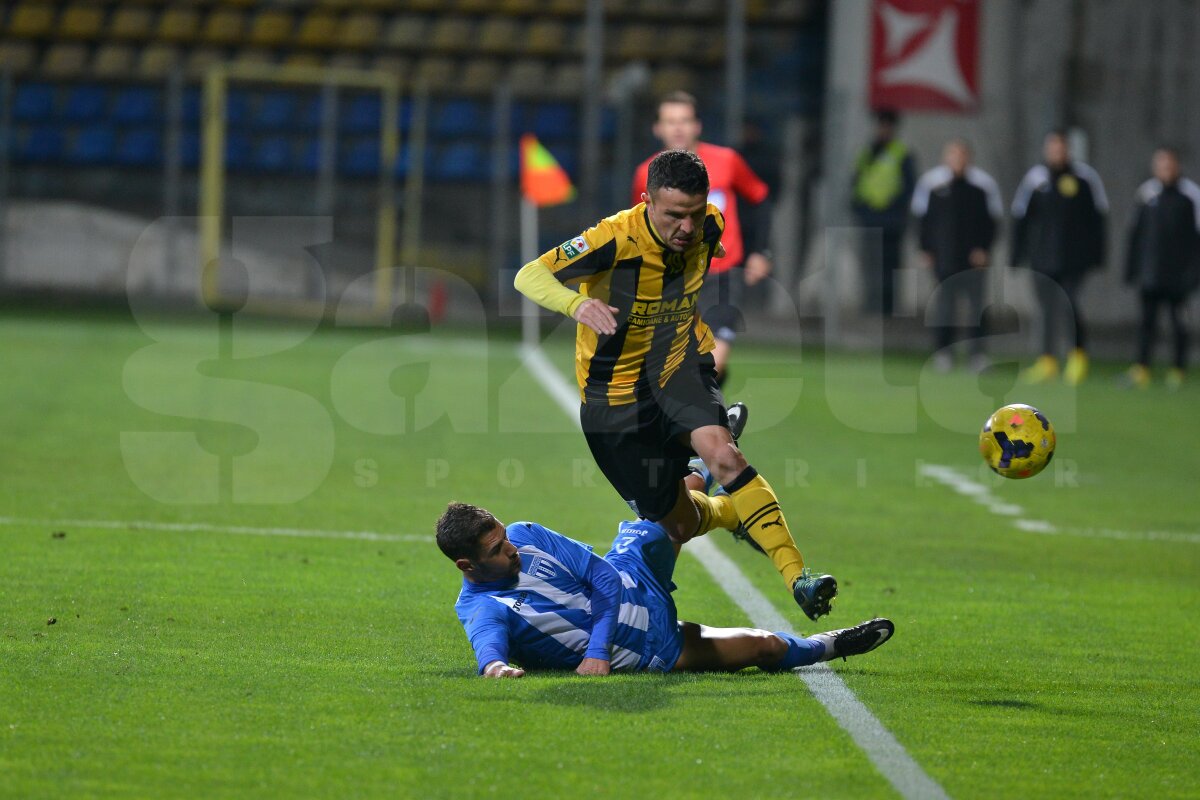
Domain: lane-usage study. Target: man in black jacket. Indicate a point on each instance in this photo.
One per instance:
(957, 206)
(1059, 229)
(1163, 259)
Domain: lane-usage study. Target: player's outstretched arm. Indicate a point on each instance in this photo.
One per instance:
(498, 669)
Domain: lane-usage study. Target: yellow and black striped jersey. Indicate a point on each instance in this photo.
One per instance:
(623, 262)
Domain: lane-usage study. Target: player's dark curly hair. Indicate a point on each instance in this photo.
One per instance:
(677, 169)
(460, 527)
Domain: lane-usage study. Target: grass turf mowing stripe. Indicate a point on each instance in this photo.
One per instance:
(981, 494)
(191, 527)
(876, 741)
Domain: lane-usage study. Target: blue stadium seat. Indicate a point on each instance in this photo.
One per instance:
(141, 147)
(33, 102)
(85, 103)
(404, 116)
(360, 158)
(273, 154)
(237, 106)
(192, 104)
(555, 122)
(361, 115)
(459, 118)
(309, 116)
(137, 105)
(238, 150)
(189, 149)
(309, 161)
(276, 111)
(40, 145)
(93, 145)
(567, 158)
(463, 161)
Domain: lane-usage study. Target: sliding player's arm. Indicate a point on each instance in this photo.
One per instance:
(544, 280)
(489, 639)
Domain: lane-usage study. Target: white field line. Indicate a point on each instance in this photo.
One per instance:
(980, 493)
(193, 527)
(879, 745)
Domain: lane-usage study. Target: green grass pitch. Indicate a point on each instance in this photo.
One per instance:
(204, 662)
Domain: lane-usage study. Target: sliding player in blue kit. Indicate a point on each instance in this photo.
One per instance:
(535, 599)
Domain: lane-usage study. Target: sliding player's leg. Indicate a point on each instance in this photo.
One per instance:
(707, 649)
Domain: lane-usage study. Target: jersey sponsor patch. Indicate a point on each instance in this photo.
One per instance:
(574, 247)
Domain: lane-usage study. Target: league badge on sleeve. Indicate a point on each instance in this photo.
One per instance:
(575, 247)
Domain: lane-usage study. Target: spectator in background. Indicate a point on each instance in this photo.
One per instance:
(1163, 259)
(957, 206)
(884, 176)
(1059, 229)
(746, 240)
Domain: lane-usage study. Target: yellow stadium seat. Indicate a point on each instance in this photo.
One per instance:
(156, 60)
(567, 8)
(671, 79)
(31, 20)
(451, 34)
(636, 42)
(682, 42)
(702, 9)
(479, 75)
(303, 59)
(317, 29)
(200, 59)
(271, 27)
(81, 22)
(475, 6)
(347, 61)
(359, 29)
(113, 61)
(406, 31)
(566, 80)
(546, 37)
(65, 60)
(253, 55)
(17, 57)
(130, 22)
(519, 7)
(436, 72)
(223, 26)
(178, 24)
(500, 35)
(528, 75)
(426, 5)
(392, 64)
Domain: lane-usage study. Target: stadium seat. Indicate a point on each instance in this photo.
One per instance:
(272, 154)
(189, 149)
(670, 79)
(93, 145)
(520, 7)
(113, 61)
(567, 8)
(275, 111)
(271, 28)
(462, 161)
(547, 37)
(437, 73)
(683, 42)
(451, 35)
(406, 32)
(555, 122)
(40, 145)
(404, 115)
(499, 35)
(567, 158)
(156, 60)
(31, 20)
(475, 6)
(81, 21)
(566, 80)
(85, 103)
(397, 66)
(347, 61)
(237, 108)
(17, 57)
(65, 60)
(238, 150)
(459, 118)
(317, 29)
(130, 22)
(360, 158)
(33, 102)
(178, 24)
(141, 147)
(360, 29)
(308, 118)
(636, 41)
(528, 75)
(301, 59)
(253, 55)
(360, 114)
(136, 106)
(223, 26)
(479, 75)
(703, 9)
(200, 59)
(427, 5)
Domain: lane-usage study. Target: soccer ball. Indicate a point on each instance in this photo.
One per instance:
(1017, 441)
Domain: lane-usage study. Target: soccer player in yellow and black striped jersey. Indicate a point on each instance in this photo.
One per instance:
(648, 385)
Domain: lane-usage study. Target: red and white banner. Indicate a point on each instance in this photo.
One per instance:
(925, 55)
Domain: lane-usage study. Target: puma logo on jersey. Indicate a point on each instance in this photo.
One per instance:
(778, 521)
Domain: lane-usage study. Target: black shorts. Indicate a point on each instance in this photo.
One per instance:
(720, 303)
(637, 445)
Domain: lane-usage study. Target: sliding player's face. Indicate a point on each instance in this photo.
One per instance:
(497, 558)
(677, 217)
(677, 126)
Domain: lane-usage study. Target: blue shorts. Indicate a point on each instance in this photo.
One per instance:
(643, 554)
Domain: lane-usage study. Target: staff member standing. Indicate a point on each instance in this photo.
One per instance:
(1059, 229)
(957, 206)
(1163, 259)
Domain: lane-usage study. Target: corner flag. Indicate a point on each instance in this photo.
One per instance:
(543, 181)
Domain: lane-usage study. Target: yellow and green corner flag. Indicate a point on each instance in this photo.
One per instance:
(543, 181)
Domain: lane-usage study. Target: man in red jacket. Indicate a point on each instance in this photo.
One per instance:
(730, 177)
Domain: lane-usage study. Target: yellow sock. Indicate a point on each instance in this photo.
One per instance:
(758, 508)
(715, 512)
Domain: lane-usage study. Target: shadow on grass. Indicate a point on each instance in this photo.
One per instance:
(1005, 703)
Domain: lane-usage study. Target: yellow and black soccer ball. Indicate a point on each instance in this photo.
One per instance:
(1017, 441)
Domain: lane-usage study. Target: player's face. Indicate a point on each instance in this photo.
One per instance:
(497, 558)
(677, 126)
(677, 217)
